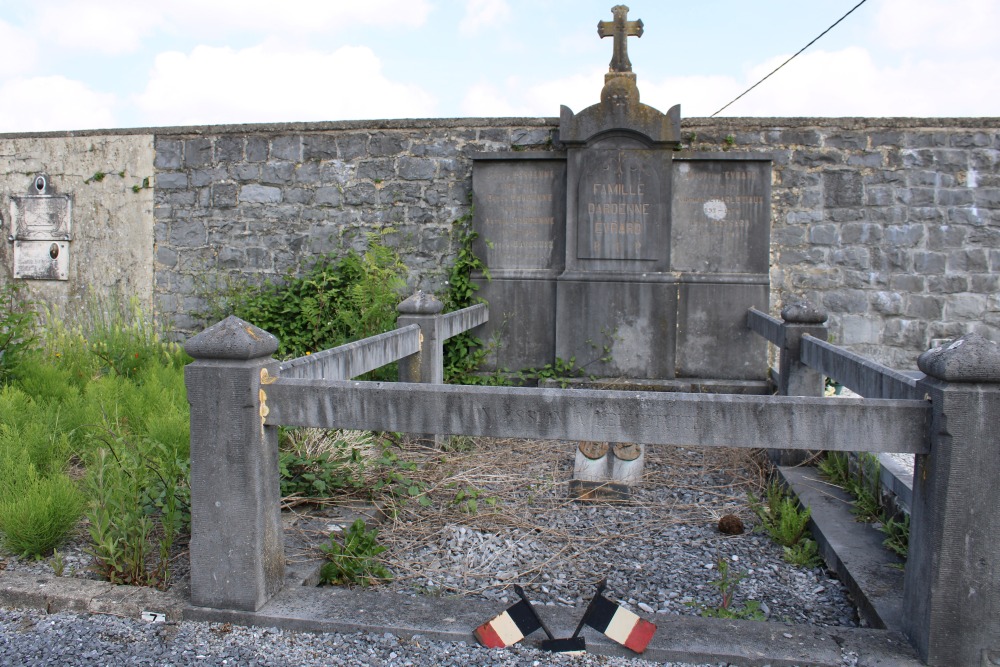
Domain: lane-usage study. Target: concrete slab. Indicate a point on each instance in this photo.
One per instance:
(53, 594)
(853, 550)
(678, 639)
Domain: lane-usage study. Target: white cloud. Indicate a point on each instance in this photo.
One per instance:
(18, 52)
(264, 84)
(929, 27)
(481, 14)
(110, 27)
(53, 103)
(516, 97)
(839, 83)
(120, 26)
(339, 17)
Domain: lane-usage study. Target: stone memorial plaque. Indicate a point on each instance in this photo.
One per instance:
(40, 230)
(621, 204)
(40, 217)
(519, 212)
(721, 217)
(41, 260)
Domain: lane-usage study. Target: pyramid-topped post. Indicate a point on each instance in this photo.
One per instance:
(952, 582)
(237, 545)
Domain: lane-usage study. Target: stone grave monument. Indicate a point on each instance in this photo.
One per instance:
(623, 251)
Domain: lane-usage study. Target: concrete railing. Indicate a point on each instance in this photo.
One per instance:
(952, 580)
(239, 396)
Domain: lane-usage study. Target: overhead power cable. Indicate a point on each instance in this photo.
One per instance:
(790, 59)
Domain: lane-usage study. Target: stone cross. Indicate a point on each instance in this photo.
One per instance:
(621, 29)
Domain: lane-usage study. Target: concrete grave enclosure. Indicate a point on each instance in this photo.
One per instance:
(891, 225)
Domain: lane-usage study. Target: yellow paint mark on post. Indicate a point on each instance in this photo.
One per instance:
(264, 411)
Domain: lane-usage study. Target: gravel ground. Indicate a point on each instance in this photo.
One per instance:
(34, 638)
(660, 554)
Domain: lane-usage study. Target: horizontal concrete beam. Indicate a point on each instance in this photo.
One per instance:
(455, 323)
(790, 422)
(352, 359)
(769, 327)
(860, 375)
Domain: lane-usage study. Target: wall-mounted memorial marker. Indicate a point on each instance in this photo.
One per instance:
(622, 251)
(41, 232)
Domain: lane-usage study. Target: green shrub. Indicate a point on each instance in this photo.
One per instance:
(137, 508)
(41, 515)
(337, 300)
(108, 394)
(354, 561)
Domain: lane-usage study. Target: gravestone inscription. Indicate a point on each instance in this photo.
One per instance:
(645, 259)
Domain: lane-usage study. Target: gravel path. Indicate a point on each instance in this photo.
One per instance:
(660, 554)
(34, 638)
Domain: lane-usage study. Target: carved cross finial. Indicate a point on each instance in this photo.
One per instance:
(621, 29)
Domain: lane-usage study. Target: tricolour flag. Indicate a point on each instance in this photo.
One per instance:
(619, 624)
(510, 627)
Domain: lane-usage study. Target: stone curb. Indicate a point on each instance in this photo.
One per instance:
(54, 594)
(851, 549)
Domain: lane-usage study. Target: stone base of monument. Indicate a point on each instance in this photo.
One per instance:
(603, 472)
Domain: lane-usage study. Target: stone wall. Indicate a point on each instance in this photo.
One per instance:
(109, 177)
(892, 225)
(256, 201)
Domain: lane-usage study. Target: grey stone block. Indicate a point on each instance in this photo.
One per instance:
(417, 168)
(904, 235)
(824, 234)
(197, 152)
(171, 180)
(277, 173)
(319, 147)
(377, 169)
(948, 284)
(352, 146)
(245, 172)
(297, 196)
(929, 262)
(256, 148)
(229, 148)
(387, 145)
(846, 214)
(924, 307)
(224, 195)
(965, 307)
(307, 173)
(202, 177)
(337, 171)
(842, 189)
(168, 153)
(259, 194)
(178, 198)
(288, 147)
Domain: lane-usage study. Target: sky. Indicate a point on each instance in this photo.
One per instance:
(90, 64)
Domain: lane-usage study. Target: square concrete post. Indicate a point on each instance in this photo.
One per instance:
(237, 545)
(794, 377)
(951, 597)
(427, 365)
